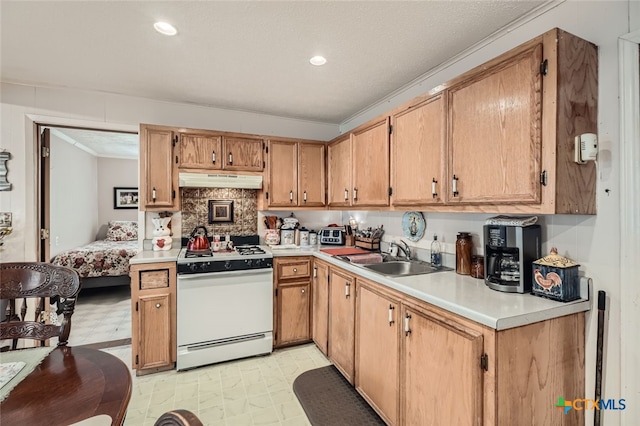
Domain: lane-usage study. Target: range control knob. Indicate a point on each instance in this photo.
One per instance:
(227, 264)
(192, 266)
(248, 262)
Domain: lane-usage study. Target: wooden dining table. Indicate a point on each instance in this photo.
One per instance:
(70, 385)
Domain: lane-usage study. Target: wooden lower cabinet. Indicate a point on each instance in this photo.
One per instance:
(153, 315)
(342, 296)
(320, 305)
(441, 372)
(417, 364)
(293, 313)
(377, 350)
(292, 302)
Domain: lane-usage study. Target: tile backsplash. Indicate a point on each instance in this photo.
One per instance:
(195, 210)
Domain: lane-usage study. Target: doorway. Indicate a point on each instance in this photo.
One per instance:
(79, 169)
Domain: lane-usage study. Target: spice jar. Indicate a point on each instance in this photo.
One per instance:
(477, 266)
(464, 247)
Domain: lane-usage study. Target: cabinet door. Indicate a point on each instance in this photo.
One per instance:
(320, 311)
(339, 172)
(154, 325)
(283, 175)
(293, 313)
(371, 165)
(417, 154)
(377, 369)
(200, 151)
(495, 124)
(439, 354)
(311, 175)
(158, 177)
(342, 295)
(243, 154)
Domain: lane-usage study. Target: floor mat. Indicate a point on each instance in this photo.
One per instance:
(329, 400)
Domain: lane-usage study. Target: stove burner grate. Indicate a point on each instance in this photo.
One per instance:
(248, 250)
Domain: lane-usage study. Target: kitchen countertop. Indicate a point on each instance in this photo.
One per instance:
(150, 256)
(460, 294)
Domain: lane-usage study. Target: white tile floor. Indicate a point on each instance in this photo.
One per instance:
(101, 315)
(252, 391)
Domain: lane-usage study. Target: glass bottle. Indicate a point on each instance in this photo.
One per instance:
(464, 247)
(436, 253)
(477, 266)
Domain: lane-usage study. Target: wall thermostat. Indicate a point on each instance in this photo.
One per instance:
(586, 148)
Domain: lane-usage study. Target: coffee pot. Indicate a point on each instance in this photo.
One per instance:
(509, 251)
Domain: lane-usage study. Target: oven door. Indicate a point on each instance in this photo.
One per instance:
(219, 306)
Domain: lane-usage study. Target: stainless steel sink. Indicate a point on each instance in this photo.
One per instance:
(400, 268)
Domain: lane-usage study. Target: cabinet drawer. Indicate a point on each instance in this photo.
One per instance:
(154, 279)
(293, 268)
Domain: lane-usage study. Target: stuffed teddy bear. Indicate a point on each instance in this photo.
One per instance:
(161, 234)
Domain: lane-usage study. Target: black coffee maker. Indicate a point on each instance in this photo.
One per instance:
(508, 254)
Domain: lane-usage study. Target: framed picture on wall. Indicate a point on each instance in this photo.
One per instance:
(125, 198)
(220, 211)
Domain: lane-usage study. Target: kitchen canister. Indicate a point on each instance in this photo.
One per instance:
(556, 277)
(304, 237)
(464, 247)
(287, 236)
(313, 238)
(272, 237)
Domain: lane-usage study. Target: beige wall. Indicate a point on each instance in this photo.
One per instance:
(74, 196)
(112, 173)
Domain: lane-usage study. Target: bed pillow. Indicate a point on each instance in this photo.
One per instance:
(122, 230)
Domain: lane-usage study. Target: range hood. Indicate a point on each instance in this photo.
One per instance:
(203, 180)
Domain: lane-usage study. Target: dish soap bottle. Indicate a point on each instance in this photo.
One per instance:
(436, 253)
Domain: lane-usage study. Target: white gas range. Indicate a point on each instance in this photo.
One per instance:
(224, 305)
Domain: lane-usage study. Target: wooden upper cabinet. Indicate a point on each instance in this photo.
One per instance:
(283, 174)
(358, 167)
(200, 151)
(158, 176)
(243, 154)
(311, 175)
(511, 129)
(339, 167)
(296, 174)
(495, 122)
(417, 153)
(211, 150)
(370, 155)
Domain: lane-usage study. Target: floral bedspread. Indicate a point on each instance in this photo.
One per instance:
(99, 259)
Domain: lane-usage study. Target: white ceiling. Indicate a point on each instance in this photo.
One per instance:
(244, 55)
(100, 143)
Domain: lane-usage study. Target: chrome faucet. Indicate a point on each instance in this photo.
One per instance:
(404, 248)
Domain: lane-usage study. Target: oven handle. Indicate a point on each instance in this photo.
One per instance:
(225, 273)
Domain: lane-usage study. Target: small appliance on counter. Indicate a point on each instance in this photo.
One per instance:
(510, 250)
(332, 235)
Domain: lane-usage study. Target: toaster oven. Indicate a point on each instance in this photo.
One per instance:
(333, 235)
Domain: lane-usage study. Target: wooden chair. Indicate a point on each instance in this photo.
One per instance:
(178, 418)
(36, 281)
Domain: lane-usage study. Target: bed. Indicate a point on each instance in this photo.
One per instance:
(105, 262)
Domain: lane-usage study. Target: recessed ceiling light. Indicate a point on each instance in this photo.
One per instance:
(165, 28)
(318, 60)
